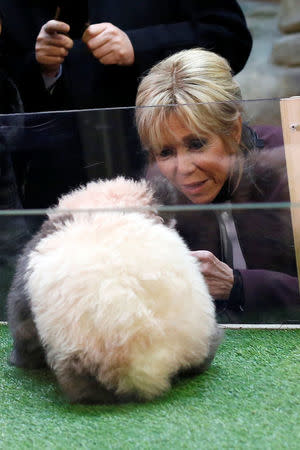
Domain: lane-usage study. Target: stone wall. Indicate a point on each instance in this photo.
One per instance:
(273, 68)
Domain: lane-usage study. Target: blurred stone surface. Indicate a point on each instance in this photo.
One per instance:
(286, 50)
(262, 78)
(289, 16)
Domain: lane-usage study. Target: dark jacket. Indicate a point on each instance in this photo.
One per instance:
(13, 230)
(267, 290)
(156, 29)
(10, 137)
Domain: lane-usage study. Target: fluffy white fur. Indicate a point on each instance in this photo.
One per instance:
(120, 292)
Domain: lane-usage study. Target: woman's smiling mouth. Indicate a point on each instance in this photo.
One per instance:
(194, 188)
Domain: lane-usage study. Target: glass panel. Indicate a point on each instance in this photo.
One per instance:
(239, 213)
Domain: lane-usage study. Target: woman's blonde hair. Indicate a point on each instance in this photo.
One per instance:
(194, 85)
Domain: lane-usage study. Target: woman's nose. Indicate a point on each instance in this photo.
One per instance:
(185, 164)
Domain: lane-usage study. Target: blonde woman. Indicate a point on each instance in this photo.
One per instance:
(194, 133)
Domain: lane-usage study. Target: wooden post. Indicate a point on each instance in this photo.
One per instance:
(290, 118)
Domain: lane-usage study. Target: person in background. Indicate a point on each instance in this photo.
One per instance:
(96, 59)
(201, 150)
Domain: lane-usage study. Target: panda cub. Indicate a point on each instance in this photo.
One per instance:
(112, 300)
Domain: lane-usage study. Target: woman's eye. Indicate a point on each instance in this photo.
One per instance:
(196, 144)
(165, 152)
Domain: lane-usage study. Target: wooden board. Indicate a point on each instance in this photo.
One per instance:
(290, 118)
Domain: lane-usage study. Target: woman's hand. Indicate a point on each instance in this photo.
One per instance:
(52, 46)
(218, 275)
(109, 44)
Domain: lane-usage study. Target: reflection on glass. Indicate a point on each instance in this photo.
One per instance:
(238, 211)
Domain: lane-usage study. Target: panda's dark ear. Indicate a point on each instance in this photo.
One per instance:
(53, 223)
(164, 194)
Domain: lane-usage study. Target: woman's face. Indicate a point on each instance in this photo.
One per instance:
(197, 166)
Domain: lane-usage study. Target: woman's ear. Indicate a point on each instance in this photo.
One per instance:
(237, 130)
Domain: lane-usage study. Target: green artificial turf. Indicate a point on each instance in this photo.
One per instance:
(249, 398)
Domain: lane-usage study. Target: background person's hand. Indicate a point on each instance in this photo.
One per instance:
(218, 275)
(109, 44)
(52, 46)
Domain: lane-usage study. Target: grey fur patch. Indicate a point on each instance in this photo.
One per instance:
(216, 340)
(80, 385)
(27, 349)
